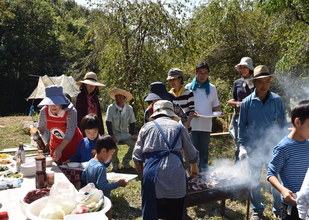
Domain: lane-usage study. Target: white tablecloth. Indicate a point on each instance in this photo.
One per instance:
(10, 198)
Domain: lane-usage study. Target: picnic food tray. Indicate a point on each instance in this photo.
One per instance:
(114, 177)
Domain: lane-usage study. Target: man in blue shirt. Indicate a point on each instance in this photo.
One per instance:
(262, 123)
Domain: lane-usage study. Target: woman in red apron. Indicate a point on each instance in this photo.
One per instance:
(59, 117)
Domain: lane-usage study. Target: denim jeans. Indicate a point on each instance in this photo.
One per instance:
(200, 140)
(256, 203)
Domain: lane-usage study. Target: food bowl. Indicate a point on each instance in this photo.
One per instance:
(217, 114)
(28, 169)
(73, 164)
(34, 208)
(23, 205)
(33, 211)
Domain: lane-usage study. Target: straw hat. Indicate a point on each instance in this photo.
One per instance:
(123, 92)
(91, 79)
(261, 71)
(163, 107)
(54, 96)
(174, 73)
(245, 61)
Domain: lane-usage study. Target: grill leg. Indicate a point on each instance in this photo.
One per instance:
(222, 211)
(248, 207)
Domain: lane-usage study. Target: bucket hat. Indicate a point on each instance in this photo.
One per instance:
(123, 92)
(261, 71)
(54, 96)
(163, 107)
(245, 61)
(158, 92)
(91, 79)
(174, 73)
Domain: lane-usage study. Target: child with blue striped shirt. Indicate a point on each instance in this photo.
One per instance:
(291, 161)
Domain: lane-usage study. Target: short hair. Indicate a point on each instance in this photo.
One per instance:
(90, 121)
(201, 65)
(105, 142)
(301, 111)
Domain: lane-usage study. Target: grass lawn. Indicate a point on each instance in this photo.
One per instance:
(127, 201)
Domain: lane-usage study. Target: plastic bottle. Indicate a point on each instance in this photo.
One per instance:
(35, 135)
(40, 162)
(32, 132)
(18, 162)
(22, 152)
(40, 175)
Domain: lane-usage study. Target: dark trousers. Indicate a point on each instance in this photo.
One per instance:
(200, 140)
(291, 214)
(171, 209)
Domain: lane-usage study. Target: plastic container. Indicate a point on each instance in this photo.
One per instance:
(33, 211)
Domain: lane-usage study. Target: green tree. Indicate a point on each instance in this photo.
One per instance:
(129, 41)
(28, 46)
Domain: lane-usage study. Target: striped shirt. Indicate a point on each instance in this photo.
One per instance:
(185, 100)
(291, 161)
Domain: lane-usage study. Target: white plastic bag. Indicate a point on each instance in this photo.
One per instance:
(61, 201)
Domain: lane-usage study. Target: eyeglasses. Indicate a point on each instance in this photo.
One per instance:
(202, 72)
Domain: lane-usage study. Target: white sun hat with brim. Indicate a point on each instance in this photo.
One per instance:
(123, 92)
(163, 107)
(91, 79)
(245, 61)
(54, 96)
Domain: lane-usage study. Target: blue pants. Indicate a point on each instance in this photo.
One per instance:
(200, 140)
(256, 202)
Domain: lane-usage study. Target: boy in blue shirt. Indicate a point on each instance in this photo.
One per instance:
(291, 161)
(86, 147)
(95, 171)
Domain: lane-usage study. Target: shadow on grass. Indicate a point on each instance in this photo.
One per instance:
(122, 210)
(212, 210)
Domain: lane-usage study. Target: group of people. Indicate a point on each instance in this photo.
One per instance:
(177, 126)
(259, 127)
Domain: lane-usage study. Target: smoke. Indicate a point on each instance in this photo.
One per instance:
(236, 174)
(293, 89)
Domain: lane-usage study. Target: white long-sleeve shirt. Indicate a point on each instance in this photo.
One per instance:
(303, 199)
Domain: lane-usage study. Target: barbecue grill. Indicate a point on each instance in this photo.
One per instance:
(220, 192)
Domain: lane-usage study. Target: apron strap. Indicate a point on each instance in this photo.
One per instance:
(152, 164)
(171, 147)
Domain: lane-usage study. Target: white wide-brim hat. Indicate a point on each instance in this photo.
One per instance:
(245, 61)
(123, 92)
(163, 107)
(54, 96)
(91, 79)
